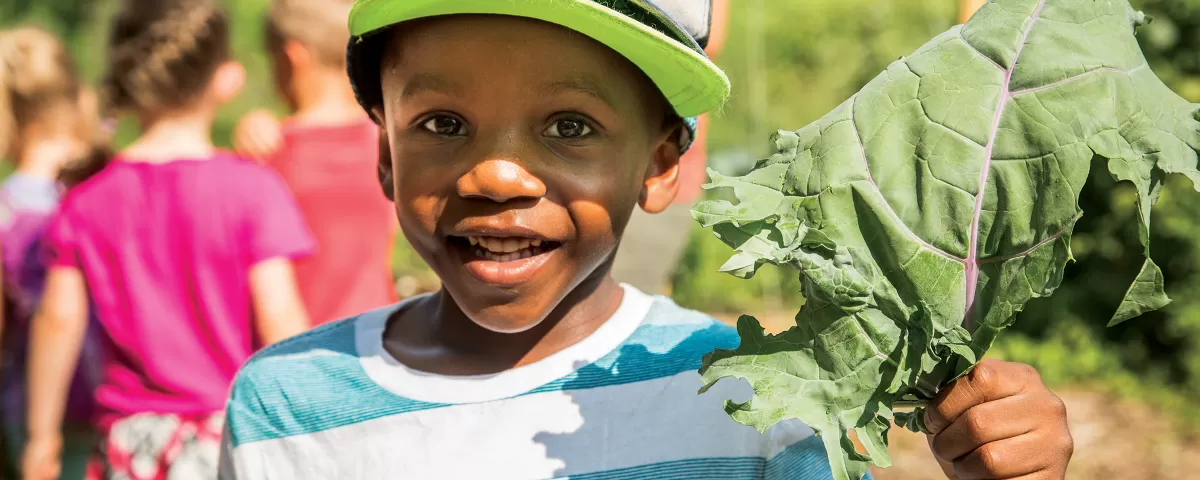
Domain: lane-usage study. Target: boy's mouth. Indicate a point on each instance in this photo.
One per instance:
(505, 261)
(509, 249)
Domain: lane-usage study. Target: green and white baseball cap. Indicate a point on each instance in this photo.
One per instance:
(664, 38)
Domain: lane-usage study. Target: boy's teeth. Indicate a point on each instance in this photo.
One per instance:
(505, 249)
(503, 245)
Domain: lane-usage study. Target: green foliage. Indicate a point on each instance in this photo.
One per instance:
(927, 210)
(695, 283)
(802, 60)
(795, 61)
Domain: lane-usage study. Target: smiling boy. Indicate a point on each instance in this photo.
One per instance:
(522, 135)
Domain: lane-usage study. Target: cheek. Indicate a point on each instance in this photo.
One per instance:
(600, 211)
(419, 203)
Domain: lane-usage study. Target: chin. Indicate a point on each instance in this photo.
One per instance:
(508, 318)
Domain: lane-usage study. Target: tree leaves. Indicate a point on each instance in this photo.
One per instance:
(927, 210)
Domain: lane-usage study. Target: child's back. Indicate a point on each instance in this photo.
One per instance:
(165, 249)
(329, 170)
(326, 153)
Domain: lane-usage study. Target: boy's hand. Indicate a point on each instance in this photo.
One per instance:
(1000, 422)
(258, 135)
(42, 458)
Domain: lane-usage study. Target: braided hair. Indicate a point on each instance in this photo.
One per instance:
(163, 54)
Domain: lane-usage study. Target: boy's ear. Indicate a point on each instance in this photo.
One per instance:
(386, 179)
(297, 55)
(661, 183)
(228, 81)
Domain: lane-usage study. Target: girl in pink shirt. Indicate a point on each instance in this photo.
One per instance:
(182, 252)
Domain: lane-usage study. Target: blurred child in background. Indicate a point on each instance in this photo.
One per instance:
(185, 250)
(46, 122)
(326, 152)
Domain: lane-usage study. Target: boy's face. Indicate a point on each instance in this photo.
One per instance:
(518, 151)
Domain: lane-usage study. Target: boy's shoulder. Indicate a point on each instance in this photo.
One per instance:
(297, 382)
(669, 329)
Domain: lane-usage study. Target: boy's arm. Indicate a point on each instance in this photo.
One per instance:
(1000, 421)
(56, 339)
(279, 311)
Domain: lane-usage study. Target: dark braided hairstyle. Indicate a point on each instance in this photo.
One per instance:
(162, 55)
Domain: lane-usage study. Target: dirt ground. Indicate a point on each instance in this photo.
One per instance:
(1114, 439)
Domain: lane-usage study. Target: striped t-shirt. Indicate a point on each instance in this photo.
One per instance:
(620, 405)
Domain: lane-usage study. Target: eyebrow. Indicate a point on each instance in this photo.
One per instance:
(431, 82)
(586, 85)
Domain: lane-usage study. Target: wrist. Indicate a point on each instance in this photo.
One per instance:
(43, 435)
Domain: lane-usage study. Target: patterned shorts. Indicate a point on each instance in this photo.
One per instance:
(159, 447)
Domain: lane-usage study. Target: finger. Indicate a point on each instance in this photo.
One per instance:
(986, 423)
(1008, 458)
(266, 142)
(261, 146)
(989, 380)
(947, 467)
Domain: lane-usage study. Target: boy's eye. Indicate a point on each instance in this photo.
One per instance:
(568, 128)
(444, 125)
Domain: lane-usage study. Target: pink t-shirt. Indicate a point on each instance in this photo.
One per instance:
(166, 250)
(331, 171)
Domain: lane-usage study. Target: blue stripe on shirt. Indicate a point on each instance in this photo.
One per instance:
(807, 456)
(277, 396)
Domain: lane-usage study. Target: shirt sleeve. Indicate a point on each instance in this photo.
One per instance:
(276, 228)
(61, 244)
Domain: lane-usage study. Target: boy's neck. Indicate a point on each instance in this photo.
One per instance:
(44, 157)
(170, 137)
(435, 336)
(326, 98)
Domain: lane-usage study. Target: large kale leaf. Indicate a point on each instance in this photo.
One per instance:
(925, 211)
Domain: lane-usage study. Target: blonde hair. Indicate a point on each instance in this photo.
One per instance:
(320, 25)
(162, 54)
(37, 79)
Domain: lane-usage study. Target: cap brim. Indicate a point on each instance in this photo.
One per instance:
(688, 79)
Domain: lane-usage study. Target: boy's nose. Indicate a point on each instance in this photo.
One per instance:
(500, 181)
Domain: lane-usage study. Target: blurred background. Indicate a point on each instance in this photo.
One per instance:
(1131, 390)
